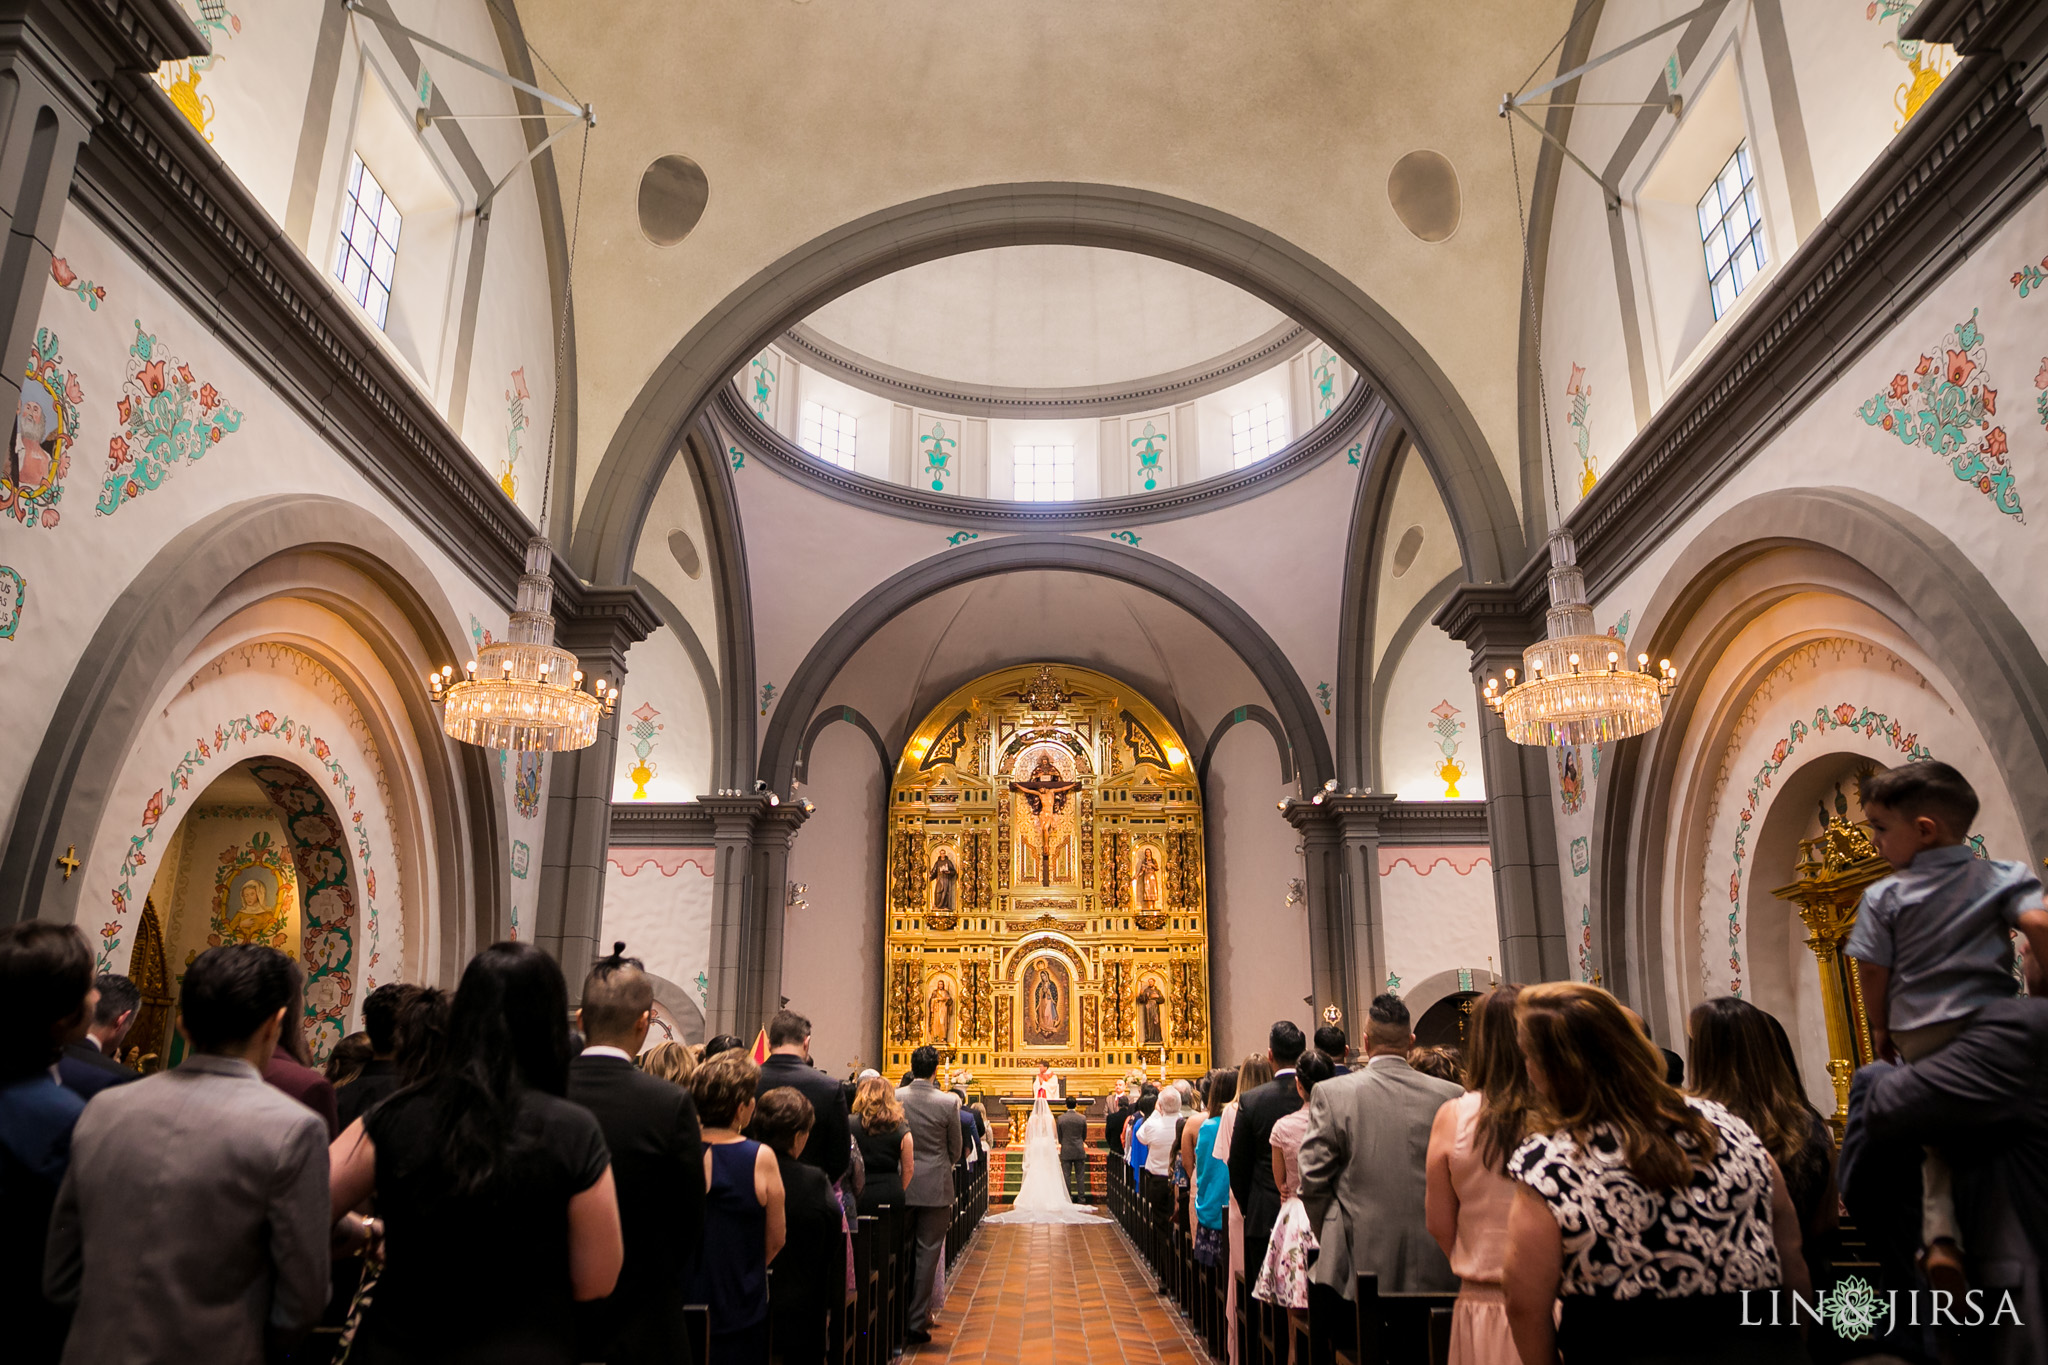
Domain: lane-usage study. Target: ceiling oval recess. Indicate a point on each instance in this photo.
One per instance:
(1404, 553)
(1423, 188)
(673, 193)
(685, 551)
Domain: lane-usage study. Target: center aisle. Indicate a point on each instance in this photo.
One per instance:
(1047, 1292)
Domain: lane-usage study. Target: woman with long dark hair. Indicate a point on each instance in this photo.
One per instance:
(1647, 1214)
(1739, 1058)
(494, 1191)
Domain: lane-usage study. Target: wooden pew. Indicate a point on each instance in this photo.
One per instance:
(697, 1328)
(1394, 1329)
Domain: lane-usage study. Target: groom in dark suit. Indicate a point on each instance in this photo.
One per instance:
(1073, 1129)
(657, 1162)
(1251, 1142)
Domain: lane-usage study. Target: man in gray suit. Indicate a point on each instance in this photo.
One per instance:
(1362, 1165)
(193, 1221)
(934, 1118)
(1073, 1131)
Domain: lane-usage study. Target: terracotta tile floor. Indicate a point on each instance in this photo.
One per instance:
(1048, 1293)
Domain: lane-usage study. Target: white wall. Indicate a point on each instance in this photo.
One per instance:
(832, 947)
(1258, 943)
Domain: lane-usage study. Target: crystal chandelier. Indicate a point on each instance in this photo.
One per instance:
(524, 692)
(1578, 689)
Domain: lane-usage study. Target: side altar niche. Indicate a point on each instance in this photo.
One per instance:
(1047, 902)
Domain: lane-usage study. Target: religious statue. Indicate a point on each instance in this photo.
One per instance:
(1148, 881)
(1148, 1002)
(1046, 794)
(1045, 1001)
(943, 875)
(940, 1013)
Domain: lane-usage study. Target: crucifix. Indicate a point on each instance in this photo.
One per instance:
(1046, 793)
(69, 862)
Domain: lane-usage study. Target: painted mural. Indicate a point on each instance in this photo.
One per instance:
(85, 291)
(45, 426)
(254, 890)
(1150, 447)
(938, 446)
(762, 396)
(1946, 405)
(515, 427)
(13, 597)
(1579, 415)
(1926, 63)
(167, 417)
(642, 734)
(1447, 727)
(526, 782)
(180, 79)
(1324, 379)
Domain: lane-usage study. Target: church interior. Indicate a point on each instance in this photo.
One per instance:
(1061, 533)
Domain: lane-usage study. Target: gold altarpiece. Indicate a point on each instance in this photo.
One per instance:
(1047, 902)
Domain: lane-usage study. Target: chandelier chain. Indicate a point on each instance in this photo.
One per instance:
(1535, 330)
(547, 479)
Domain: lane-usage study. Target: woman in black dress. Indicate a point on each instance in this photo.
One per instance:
(1647, 1214)
(744, 1226)
(494, 1191)
(810, 1272)
(885, 1146)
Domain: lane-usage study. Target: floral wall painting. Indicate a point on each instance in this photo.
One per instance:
(762, 397)
(522, 858)
(645, 728)
(45, 425)
(1323, 694)
(1150, 447)
(1582, 856)
(1579, 415)
(938, 445)
(1324, 378)
(515, 427)
(2029, 278)
(254, 893)
(2041, 398)
(180, 79)
(1447, 727)
(167, 417)
(87, 292)
(13, 596)
(767, 697)
(1926, 63)
(1946, 404)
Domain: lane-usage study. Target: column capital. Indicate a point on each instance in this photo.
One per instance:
(598, 624)
(1351, 816)
(754, 817)
(94, 39)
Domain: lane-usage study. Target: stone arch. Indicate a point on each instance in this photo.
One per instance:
(1748, 560)
(206, 586)
(1252, 712)
(651, 431)
(329, 879)
(1297, 713)
(834, 715)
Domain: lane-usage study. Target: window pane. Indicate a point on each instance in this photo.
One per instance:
(378, 303)
(1710, 213)
(387, 222)
(355, 174)
(1717, 249)
(358, 274)
(382, 264)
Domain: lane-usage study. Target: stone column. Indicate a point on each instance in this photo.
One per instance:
(1495, 620)
(52, 56)
(751, 834)
(597, 625)
(1347, 936)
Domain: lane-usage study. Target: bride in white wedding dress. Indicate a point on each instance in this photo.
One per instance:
(1042, 1198)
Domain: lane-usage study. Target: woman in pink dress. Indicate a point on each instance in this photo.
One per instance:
(1283, 1279)
(1468, 1193)
(1253, 1072)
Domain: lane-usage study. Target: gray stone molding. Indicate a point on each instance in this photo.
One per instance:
(1323, 300)
(1093, 400)
(1423, 823)
(1033, 551)
(660, 824)
(834, 715)
(1358, 624)
(1964, 163)
(148, 179)
(739, 427)
(201, 577)
(1237, 716)
(1909, 572)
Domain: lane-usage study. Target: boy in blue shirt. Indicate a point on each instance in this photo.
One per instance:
(1933, 945)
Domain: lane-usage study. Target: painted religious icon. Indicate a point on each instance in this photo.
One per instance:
(1150, 1000)
(1047, 993)
(1045, 797)
(944, 874)
(32, 454)
(1148, 881)
(251, 908)
(939, 1013)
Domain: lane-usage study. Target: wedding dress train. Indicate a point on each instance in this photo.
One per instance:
(1042, 1197)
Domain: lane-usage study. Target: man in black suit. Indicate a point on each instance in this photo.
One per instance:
(86, 1065)
(830, 1145)
(1113, 1120)
(657, 1163)
(1073, 1129)
(1251, 1142)
(1331, 1042)
(379, 1076)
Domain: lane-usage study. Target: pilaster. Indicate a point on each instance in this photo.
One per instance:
(1347, 937)
(751, 835)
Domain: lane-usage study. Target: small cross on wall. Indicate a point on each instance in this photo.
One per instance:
(69, 862)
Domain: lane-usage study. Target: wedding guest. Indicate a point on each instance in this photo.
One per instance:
(670, 1061)
(1156, 1135)
(650, 1129)
(723, 1042)
(495, 1191)
(1135, 1155)
(1362, 1165)
(346, 1063)
(1469, 1194)
(1283, 1275)
(1253, 1072)
(744, 1223)
(1331, 1042)
(379, 1074)
(1440, 1062)
(1210, 1207)
(1672, 1204)
(46, 1004)
(1251, 1140)
(789, 1063)
(886, 1148)
(193, 1222)
(810, 1273)
(290, 1068)
(93, 1063)
(935, 1129)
